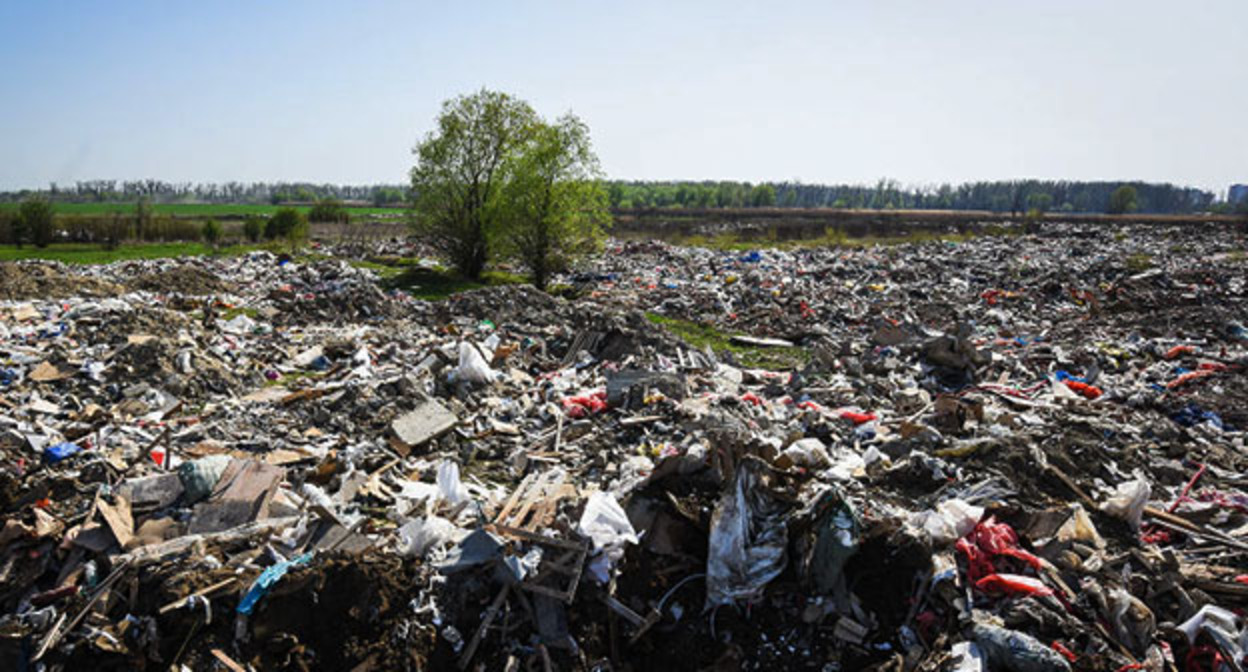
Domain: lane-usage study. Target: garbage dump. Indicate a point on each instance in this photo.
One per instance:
(1021, 452)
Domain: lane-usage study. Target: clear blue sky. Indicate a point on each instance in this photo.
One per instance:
(923, 91)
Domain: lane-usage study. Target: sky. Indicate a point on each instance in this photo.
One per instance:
(822, 92)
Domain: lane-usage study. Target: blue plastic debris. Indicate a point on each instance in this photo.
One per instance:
(752, 257)
(57, 452)
(267, 579)
(1063, 376)
(1193, 415)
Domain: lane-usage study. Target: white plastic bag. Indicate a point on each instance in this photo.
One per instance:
(1128, 502)
(608, 527)
(420, 535)
(472, 366)
(951, 520)
(450, 489)
(808, 453)
(748, 540)
(1079, 527)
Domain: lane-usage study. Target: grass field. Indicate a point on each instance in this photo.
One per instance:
(702, 335)
(92, 253)
(195, 209)
(431, 284)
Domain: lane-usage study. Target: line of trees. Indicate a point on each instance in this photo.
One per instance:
(36, 222)
(1016, 196)
(255, 193)
(997, 196)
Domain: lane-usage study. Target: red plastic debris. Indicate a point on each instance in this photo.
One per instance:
(1088, 391)
(585, 404)
(1013, 584)
(1067, 653)
(988, 540)
(1189, 377)
(858, 418)
(1179, 350)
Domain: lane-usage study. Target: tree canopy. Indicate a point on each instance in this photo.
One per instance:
(554, 204)
(495, 179)
(460, 171)
(1122, 201)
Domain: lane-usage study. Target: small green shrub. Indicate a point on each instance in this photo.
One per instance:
(36, 215)
(211, 232)
(253, 228)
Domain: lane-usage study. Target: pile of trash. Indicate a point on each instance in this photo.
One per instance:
(1011, 453)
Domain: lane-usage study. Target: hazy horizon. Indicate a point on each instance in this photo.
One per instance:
(918, 92)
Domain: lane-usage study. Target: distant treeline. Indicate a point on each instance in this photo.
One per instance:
(156, 191)
(1017, 196)
(1001, 196)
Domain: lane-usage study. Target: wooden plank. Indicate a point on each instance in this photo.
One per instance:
(227, 661)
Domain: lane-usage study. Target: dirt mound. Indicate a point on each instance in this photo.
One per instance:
(157, 361)
(606, 334)
(189, 280)
(48, 280)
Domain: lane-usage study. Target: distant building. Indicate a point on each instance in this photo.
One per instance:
(1237, 194)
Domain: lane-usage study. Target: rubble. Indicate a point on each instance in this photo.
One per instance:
(1011, 453)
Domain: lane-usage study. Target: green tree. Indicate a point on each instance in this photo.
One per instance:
(615, 194)
(211, 232)
(283, 223)
(18, 232)
(554, 206)
(329, 210)
(460, 172)
(142, 218)
(36, 220)
(1122, 200)
(253, 228)
(763, 196)
(1039, 202)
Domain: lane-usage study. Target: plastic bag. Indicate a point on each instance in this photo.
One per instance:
(1134, 623)
(418, 536)
(748, 539)
(1013, 584)
(1011, 650)
(952, 520)
(1079, 527)
(267, 579)
(472, 366)
(836, 531)
(808, 453)
(200, 476)
(1128, 502)
(966, 657)
(1209, 616)
(584, 405)
(608, 527)
(988, 540)
(59, 451)
(450, 488)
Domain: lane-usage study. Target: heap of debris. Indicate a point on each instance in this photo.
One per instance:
(1014, 453)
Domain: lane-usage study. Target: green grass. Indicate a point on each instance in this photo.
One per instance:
(435, 284)
(1139, 262)
(384, 271)
(194, 209)
(231, 313)
(702, 335)
(94, 253)
(287, 379)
